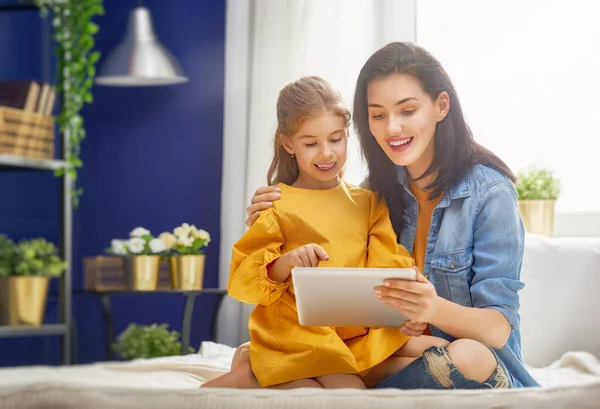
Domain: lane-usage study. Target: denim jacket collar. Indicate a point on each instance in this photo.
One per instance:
(459, 190)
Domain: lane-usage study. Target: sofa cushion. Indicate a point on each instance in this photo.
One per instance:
(560, 304)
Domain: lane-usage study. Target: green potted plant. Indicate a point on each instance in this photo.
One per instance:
(141, 254)
(148, 341)
(7, 256)
(25, 272)
(186, 256)
(538, 190)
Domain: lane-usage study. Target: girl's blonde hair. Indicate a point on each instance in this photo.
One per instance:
(299, 100)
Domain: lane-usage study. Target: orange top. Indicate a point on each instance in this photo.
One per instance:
(426, 207)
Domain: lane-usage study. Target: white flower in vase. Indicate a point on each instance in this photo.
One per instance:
(118, 247)
(157, 246)
(139, 232)
(168, 239)
(185, 241)
(182, 231)
(202, 234)
(136, 245)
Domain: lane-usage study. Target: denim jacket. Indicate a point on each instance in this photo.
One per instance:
(475, 251)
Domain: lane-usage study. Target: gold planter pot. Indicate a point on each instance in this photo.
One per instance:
(187, 272)
(538, 216)
(23, 300)
(141, 272)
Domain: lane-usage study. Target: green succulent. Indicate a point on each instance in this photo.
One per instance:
(148, 341)
(537, 184)
(38, 257)
(7, 256)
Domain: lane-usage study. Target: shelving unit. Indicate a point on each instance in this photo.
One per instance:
(17, 162)
(25, 331)
(63, 328)
(8, 163)
(186, 320)
(19, 5)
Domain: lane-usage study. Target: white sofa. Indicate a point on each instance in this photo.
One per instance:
(577, 224)
(561, 299)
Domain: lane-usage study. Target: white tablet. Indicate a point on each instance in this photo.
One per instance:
(343, 297)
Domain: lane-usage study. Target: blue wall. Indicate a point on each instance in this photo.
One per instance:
(152, 158)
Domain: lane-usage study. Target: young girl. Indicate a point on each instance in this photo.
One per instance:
(321, 221)
(454, 207)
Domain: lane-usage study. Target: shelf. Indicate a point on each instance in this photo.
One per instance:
(25, 4)
(27, 331)
(13, 163)
(18, 5)
(158, 291)
(10, 161)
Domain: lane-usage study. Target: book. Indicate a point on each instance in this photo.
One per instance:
(43, 99)
(50, 102)
(22, 94)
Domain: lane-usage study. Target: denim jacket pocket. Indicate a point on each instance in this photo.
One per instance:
(450, 271)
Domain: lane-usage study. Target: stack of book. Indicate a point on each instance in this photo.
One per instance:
(30, 96)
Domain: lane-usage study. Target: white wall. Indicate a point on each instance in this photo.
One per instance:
(527, 74)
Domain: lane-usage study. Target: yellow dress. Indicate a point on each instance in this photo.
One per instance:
(355, 231)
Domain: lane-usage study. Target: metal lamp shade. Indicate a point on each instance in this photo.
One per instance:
(140, 60)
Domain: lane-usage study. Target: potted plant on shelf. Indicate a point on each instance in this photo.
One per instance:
(186, 257)
(7, 256)
(141, 258)
(25, 271)
(538, 190)
(148, 341)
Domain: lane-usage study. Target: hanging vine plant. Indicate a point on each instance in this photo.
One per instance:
(73, 31)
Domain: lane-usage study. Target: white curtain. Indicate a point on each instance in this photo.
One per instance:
(527, 75)
(270, 43)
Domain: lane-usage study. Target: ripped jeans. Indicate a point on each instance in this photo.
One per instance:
(436, 370)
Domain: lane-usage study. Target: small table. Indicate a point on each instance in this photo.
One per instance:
(186, 320)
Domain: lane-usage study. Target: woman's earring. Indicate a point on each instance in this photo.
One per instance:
(292, 155)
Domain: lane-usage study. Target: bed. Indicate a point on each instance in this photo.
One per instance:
(561, 342)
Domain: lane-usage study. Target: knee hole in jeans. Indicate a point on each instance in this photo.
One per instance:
(442, 363)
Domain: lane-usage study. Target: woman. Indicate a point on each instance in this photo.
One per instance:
(454, 207)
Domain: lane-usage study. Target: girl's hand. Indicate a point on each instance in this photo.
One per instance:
(308, 255)
(262, 200)
(418, 299)
(413, 329)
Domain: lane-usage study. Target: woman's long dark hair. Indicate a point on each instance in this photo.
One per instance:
(455, 150)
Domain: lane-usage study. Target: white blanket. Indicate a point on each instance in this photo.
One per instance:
(573, 380)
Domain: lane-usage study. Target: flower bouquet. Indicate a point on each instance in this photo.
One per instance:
(142, 253)
(184, 247)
